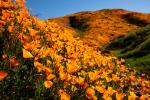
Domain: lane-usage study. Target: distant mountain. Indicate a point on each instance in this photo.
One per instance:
(98, 28)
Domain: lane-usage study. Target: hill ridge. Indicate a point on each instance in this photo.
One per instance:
(106, 24)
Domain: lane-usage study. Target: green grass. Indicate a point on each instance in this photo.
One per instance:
(142, 62)
(135, 48)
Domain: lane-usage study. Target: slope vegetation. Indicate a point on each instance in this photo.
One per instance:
(42, 60)
(135, 47)
(100, 27)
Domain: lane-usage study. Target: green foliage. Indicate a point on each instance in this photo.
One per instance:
(135, 48)
(142, 63)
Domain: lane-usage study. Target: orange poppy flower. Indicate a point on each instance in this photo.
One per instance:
(14, 62)
(120, 96)
(80, 80)
(10, 28)
(90, 93)
(100, 89)
(27, 54)
(50, 76)
(25, 38)
(85, 85)
(48, 84)
(63, 95)
(3, 75)
(2, 23)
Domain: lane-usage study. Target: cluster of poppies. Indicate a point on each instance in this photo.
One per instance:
(72, 68)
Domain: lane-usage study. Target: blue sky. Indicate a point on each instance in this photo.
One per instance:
(55, 8)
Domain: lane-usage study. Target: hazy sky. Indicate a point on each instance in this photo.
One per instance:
(54, 8)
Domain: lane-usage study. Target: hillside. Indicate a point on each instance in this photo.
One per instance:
(135, 48)
(41, 60)
(100, 27)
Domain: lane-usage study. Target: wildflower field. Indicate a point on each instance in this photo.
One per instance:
(41, 60)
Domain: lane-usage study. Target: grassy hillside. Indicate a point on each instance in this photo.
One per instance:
(135, 48)
(100, 27)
